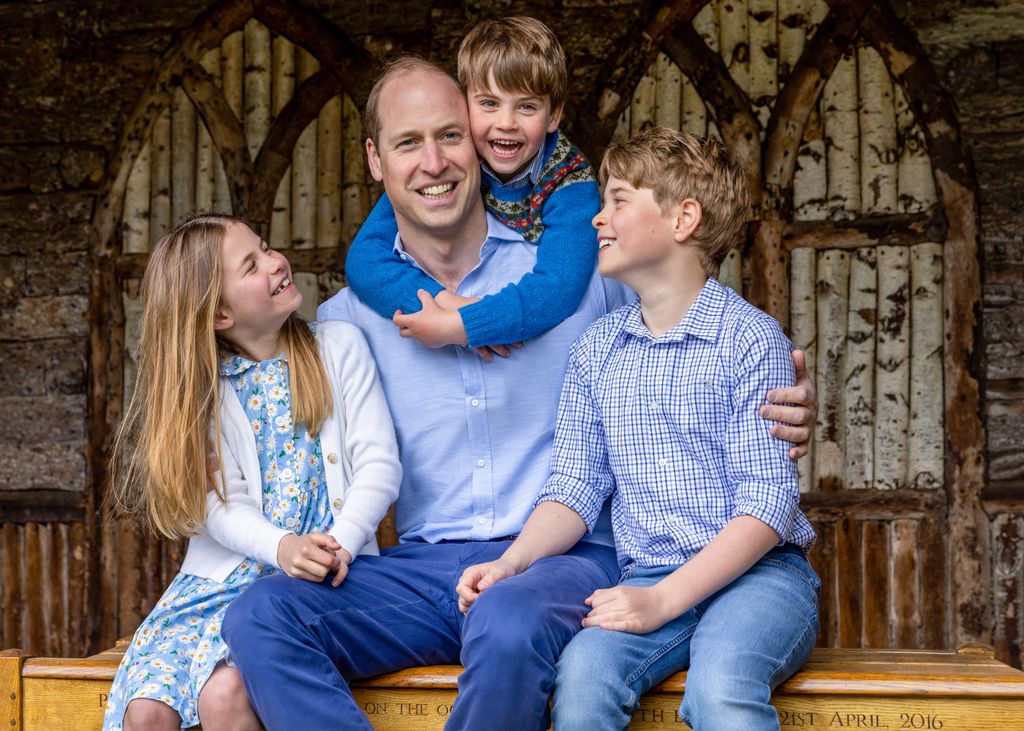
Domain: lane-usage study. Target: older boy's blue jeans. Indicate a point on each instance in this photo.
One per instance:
(738, 644)
(297, 643)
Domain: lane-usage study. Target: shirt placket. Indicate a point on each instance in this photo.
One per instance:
(479, 452)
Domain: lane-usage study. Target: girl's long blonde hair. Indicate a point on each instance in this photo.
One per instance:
(160, 463)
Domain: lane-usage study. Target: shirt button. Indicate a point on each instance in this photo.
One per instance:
(654, 406)
(663, 461)
(482, 521)
(481, 463)
(475, 402)
(403, 257)
(332, 458)
(338, 502)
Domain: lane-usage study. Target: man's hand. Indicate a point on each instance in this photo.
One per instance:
(344, 559)
(479, 577)
(433, 325)
(636, 609)
(308, 557)
(799, 416)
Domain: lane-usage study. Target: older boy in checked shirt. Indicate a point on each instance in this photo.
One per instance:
(659, 410)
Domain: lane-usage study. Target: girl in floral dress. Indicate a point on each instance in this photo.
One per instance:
(266, 440)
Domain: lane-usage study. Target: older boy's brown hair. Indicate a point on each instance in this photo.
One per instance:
(679, 165)
(522, 54)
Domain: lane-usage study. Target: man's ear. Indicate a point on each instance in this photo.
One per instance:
(687, 218)
(556, 118)
(373, 160)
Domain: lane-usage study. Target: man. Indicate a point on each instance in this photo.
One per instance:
(475, 440)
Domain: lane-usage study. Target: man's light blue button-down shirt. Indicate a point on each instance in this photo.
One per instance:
(475, 437)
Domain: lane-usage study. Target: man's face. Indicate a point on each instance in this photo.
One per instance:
(425, 155)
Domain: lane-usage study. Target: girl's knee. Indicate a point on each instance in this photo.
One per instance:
(224, 701)
(146, 714)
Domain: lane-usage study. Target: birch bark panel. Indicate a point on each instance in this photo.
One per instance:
(839, 103)
(878, 156)
(810, 177)
(256, 95)
(160, 177)
(731, 272)
(804, 332)
(1007, 541)
(764, 52)
(892, 377)
(328, 175)
(35, 629)
(849, 579)
(935, 603)
(229, 75)
(822, 558)
(135, 224)
(283, 88)
(304, 167)
(733, 39)
(817, 10)
(183, 157)
(916, 184)
(906, 619)
(695, 113)
(859, 374)
(131, 304)
(830, 432)
(792, 22)
(307, 284)
(668, 96)
(642, 107)
(355, 196)
(14, 597)
(621, 133)
(206, 153)
(705, 22)
(330, 283)
(875, 545)
(926, 428)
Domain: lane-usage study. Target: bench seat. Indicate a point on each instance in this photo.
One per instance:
(967, 690)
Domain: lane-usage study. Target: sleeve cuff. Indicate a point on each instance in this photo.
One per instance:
(350, 536)
(770, 505)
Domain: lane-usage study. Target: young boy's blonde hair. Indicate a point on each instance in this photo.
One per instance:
(521, 53)
(679, 165)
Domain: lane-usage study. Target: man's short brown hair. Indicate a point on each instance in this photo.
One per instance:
(522, 54)
(679, 165)
(397, 67)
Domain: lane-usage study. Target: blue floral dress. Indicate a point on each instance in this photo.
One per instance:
(179, 644)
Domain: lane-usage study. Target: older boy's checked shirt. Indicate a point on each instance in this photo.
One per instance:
(669, 426)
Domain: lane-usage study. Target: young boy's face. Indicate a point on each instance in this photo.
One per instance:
(634, 235)
(509, 127)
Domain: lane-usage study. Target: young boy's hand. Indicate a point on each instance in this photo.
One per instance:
(798, 418)
(308, 557)
(636, 609)
(433, 325)
(479, 577)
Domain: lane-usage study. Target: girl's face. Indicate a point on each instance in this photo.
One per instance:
(257, 292)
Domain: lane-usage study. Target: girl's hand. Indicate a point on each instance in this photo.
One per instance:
(633, 609)
(478, 577)
(345, 558)
(308, 557)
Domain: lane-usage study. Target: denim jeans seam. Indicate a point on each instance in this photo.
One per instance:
(661, 652)
(785, 661)
(789, 567)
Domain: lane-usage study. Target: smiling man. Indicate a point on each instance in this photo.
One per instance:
(475, 441)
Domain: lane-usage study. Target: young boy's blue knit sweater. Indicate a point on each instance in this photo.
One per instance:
(558, 202)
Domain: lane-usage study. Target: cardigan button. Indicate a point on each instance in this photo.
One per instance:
(332, 458)
(338, 502)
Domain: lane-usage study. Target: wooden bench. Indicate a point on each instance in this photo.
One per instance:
(838, 689)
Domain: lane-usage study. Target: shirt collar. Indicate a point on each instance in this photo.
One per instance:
(702, 320)
(497, 233)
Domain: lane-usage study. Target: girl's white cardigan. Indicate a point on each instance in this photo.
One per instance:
(360, 461)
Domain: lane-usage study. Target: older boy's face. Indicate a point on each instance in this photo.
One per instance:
(509, 127)
(633, 234)
(425, 156)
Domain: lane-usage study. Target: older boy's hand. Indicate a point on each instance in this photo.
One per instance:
(796, 408)
(433, 325)
(479, 577)
(636, 609)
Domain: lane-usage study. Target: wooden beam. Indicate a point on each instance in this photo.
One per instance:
(42, 506)
(872, 504)
(889, 230)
